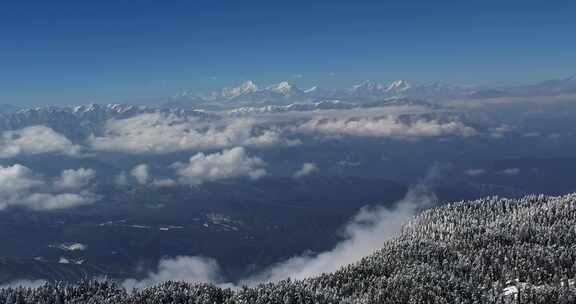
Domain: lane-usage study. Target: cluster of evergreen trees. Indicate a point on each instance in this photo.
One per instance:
(485, 251)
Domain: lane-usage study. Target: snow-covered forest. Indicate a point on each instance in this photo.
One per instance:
(490, 250)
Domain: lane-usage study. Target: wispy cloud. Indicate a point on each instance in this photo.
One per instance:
(307, 169)
(181, 268)
(365, 233)
(475, 172)
(509, 171)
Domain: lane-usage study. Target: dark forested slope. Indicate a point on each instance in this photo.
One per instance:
(485, 251)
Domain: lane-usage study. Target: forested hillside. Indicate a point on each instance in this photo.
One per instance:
(490, 250)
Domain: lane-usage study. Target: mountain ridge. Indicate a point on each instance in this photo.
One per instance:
(248, 93)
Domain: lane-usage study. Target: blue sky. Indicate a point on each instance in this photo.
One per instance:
(110, 51)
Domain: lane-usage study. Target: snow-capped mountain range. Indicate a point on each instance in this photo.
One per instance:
(78, 122)
(249, 93)
(372, 87)
(325, 105)
(249, 97)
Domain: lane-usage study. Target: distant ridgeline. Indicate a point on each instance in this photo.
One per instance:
(485, 251)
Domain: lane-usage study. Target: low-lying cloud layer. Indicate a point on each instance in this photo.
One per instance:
(387, 127)
(35, 140)
(157, 133)
(21, 187)
(182, 268)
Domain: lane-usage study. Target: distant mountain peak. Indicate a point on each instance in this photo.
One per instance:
(283, 87)
(398, 86)
(369, 86)
(244, 88)
(284, 92)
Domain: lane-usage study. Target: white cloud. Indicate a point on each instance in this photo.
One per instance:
(141, 174)
(500, 131)
(347, 163)
(35, 140)
(157, 133)
(51, 201)
(307, 169)
(17, 178)
(387, 127)
(75, 179)
(201, 168)
(475, 172)
(21, 187)
(182, 268)
(71, 246)
(216, 166)
(164, 182)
